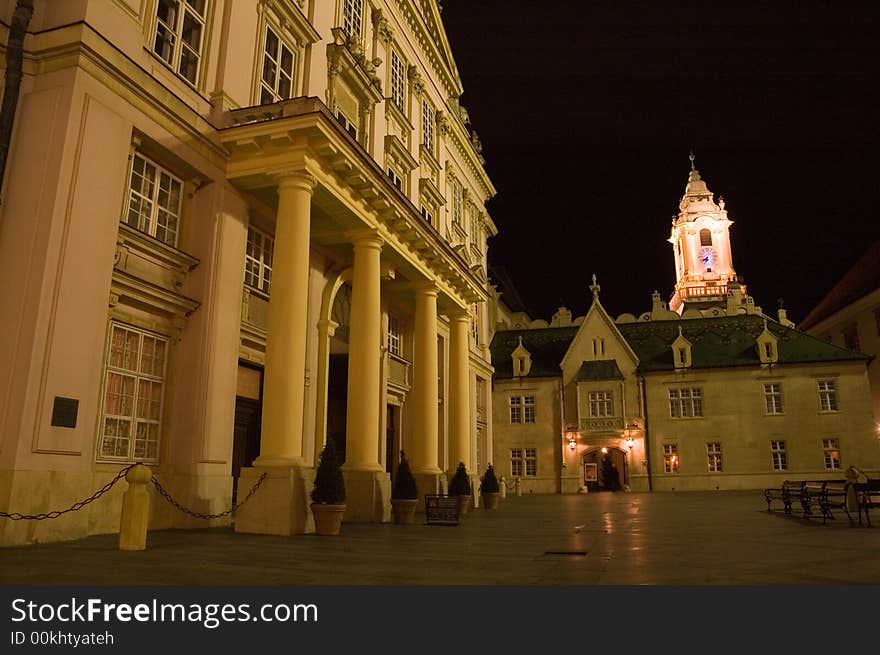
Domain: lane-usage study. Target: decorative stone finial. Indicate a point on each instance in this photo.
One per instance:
(595, 288)
(692, 157)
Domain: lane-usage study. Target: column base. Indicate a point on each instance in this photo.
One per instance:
(287, 462)
(281, 505)
(429, 483)
(367, 496)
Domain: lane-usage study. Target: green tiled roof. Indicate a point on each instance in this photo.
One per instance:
(716, 342)
(602, 369)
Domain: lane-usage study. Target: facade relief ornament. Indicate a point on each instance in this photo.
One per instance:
(442, 123)
(417, 84)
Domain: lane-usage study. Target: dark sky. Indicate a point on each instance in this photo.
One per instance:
(587, 111)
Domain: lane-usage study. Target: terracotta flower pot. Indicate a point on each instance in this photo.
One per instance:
(491, 499)
(464, 504)
(328, 518)
(404, 510)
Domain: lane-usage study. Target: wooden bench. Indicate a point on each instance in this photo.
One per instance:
(821, 495)
(867, 497)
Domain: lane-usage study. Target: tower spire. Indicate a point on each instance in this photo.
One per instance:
(692, 157)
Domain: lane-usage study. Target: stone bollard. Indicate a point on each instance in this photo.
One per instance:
(503, 486)
(517, 487)
(135, 509)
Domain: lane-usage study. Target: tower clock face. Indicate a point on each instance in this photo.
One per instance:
(707, 257)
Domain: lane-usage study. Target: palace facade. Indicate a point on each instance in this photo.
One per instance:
(705, 392)
(229, 231)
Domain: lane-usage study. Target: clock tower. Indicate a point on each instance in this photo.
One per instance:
(700, 241)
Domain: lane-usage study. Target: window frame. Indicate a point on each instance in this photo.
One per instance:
(774, 405)
(693, 400)
(530, 462)
(352, 14)
(522, 409)
(831, 453)
(260, 262)
(261, 83)
(778, 455)
(429, 117)
(153, 224)
(138, 377)
(394, 336)
(397, 81)
(601, 403)
(714, 457)
(827, 390)
(671, 460)
(178, 44)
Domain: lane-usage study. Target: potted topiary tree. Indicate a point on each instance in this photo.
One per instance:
(490, 490)
(404, 493)
(328, 495)
(460, 485)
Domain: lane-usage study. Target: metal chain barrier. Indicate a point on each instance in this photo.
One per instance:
(16, 516)
(167, 496)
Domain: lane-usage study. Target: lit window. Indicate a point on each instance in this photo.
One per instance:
(827, 395)
(258, 261)
(276, 82)
(713, 453)
(686, 402)
(428, 126)
(180, 25)
(531, 461)
(398, 77)
(516, 462)
(154, 200)
(831, 451)
(601, 403)
(346, 123)
(773, 398)
(352, 17)
(778, 456)
(133, 389)
(705, 238)
(670, 457)
(394, 337)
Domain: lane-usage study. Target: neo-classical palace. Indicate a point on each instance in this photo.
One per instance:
(229, 231)
(706, 392)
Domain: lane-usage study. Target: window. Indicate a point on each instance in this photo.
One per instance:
(427, 215)
(827, 395)
(670, 457)
(516, 462)
(428, 126)
(713, 453)
(133, 385)
(686, 402)
(598, 347)
(522, 409)
(705, 238)
(457, 202)
(398, 83)
(258, 261)
(276, 82)
(531, 462)
(352, 17)
(601, 403)
(851, 337)
(831, 450)
(773, 398)
(346, 123)
(768, 350)
(475, 323)
(180, 25)
(154, 200)
(395, 178)
(394, 337)
(682, 356)
(778, 456)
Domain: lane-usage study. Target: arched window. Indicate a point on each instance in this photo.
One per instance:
(705, 238)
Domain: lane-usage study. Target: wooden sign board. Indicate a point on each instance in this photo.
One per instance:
(441, 510)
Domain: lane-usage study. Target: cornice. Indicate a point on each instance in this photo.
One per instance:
(293, 20)
(448, 77)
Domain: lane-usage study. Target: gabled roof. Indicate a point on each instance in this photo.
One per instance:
(716, 343)
(601, 369)
(859, 281)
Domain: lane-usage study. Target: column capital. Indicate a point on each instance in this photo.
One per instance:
(425, 288)
(296, 179)
(458, 314)
(365, 239)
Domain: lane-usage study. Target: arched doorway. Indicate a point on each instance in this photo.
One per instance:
(604, 471)
(337, 387)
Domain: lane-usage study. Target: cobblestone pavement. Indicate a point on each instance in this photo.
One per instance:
(695, 538)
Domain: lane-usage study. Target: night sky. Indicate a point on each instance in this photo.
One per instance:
(587, 110)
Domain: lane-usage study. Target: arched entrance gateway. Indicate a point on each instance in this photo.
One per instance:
(604, 469)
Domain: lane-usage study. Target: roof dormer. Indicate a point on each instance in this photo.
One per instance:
(768, 349)
(681, 351)
(522, 360)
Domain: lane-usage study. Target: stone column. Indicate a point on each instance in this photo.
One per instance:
(423, 397)
(368, 487)
(459, 392)
(284, 383)
(362, 414)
